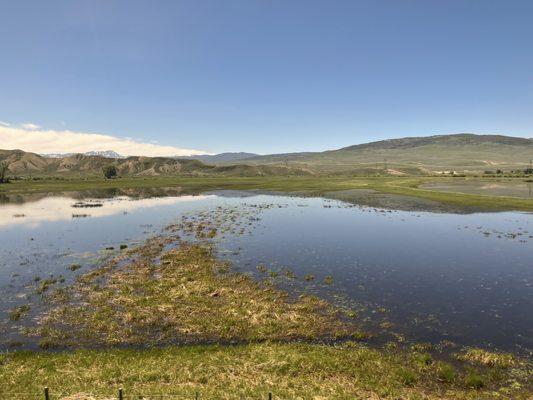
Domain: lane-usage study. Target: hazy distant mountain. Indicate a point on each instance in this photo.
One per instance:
(104, 153)
(223, 157)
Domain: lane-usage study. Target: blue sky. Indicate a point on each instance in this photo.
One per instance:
(267, 76)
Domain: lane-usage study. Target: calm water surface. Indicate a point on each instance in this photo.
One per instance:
(427, 276)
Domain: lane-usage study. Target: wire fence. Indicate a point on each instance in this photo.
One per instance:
(120, 394)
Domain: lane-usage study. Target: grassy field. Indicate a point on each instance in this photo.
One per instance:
(307, 185)
(289, 370)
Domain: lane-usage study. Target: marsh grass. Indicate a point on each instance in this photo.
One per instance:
(45, 284)
(446, 372)
(183, 299)
(19, 312)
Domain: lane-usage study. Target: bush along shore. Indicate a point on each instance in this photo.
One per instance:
(170, 317)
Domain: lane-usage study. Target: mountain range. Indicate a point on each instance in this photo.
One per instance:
(22, 163)
(405, 156)
(99, 153)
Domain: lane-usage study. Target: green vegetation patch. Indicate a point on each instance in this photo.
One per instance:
(289, 370)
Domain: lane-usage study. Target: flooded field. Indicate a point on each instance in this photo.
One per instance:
(488, 187)
(415, 276)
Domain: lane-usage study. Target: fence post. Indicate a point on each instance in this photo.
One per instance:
(120, 395)
(197, 395)
(269, 396)
(46, 394)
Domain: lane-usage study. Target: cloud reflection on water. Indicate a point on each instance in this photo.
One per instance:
(52, 209)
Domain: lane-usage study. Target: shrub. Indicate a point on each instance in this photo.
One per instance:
(3, 170)
(110, 171)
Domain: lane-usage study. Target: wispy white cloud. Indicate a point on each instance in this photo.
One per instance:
(29, 137)
(4, 123)
(29, 126)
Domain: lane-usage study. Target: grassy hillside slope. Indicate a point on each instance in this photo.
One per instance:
(433, 154)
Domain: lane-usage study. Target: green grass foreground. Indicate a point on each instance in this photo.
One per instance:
(404, 186)
(290, 371)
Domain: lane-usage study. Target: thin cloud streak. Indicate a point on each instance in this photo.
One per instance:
(50, 141)
(30, 127)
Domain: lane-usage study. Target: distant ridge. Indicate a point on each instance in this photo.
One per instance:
(453, 139)
(222, 157)
(462, 152)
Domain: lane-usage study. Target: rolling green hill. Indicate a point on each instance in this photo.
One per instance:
(415, 155)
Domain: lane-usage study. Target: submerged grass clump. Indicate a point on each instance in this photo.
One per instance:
(45, 285)
(19, 312)
(487, 358)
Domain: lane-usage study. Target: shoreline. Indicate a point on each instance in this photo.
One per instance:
(398, 186)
